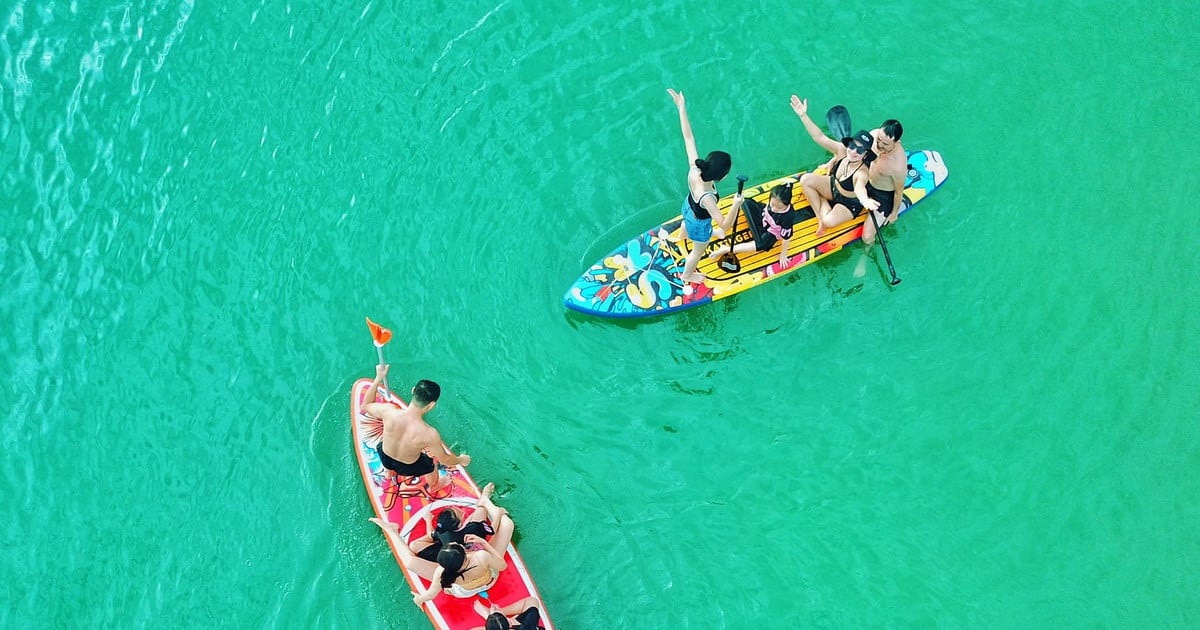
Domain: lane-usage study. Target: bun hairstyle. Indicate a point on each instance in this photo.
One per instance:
(451, 559)
(783, 192)
(497, 621)
(447, 521)
(714, 167)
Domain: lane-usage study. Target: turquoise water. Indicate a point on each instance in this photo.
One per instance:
(204, 201)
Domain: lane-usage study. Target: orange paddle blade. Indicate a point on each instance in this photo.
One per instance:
(380, 334)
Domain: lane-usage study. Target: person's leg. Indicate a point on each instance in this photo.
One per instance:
(868, 236)
(719, 252)
(835, 216)
(434, 480)
(817, 192)
(419, 544)
(478, 514)
(689, 273)
(504, 530)
(520, 606)
(493, 511)
(740, 248)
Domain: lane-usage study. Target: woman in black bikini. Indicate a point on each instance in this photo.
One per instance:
(840, 196)
(458, 571)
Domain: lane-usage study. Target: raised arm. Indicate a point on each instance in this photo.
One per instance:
(801, 108)
(689, 141)
(435, 587)
(370, 407)
(495, 559)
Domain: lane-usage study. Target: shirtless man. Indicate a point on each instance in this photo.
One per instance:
(888, 173)
(406, 436)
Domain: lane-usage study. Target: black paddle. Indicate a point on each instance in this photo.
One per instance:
(729, 261)
(886, 255)
(838, 121)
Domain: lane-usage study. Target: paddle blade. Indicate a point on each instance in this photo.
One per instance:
(380, 334)
(837, 119)
(730, 263)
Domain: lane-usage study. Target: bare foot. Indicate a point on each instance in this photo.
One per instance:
(384, 525)
(820, 229)
(486, 494)
(443, 482)
(484, 611)
(694, 277)
(720, 251)
(860, 269)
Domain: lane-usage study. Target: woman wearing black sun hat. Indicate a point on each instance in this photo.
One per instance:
(840, 196)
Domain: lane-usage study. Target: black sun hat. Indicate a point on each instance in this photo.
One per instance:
(862, 140)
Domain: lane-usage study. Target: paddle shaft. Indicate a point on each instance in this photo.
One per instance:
(883, 245)
(733, 224)
(729, 261)
(379, 350)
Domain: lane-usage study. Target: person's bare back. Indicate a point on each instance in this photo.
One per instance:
(408, 441)
(406, 434)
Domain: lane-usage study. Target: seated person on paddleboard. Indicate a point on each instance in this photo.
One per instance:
(459, 572)
(700, 207)
(841, 195)
(888, 174)
(523, 614)
(778, 217)
(450, 526)
(406, 435)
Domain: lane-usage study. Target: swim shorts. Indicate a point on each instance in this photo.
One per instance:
(423, 465)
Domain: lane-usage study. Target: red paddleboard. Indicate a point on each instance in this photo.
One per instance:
(405, 501)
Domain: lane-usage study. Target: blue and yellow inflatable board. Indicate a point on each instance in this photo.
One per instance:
(641, 277)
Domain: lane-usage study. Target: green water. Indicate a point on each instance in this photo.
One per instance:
(201, 204)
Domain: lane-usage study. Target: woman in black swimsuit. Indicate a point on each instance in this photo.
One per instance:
(842, 195)
(450, 528)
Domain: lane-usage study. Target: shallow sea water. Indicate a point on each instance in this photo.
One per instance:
(202, 202)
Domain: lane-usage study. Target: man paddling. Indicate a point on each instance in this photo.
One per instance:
(406, 435)
(888, 173)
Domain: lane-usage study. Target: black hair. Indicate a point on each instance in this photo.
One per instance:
(892, 128)
(447, 521)
(497, 621)
(714, 167)
(451, 558)
(783, 192)
(426, 392)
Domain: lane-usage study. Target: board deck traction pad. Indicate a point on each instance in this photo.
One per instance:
(641, 277)
(404, 500)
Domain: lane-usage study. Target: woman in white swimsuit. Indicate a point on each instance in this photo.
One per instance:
(459, 572)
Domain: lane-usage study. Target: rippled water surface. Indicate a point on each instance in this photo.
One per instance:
(201, 202)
